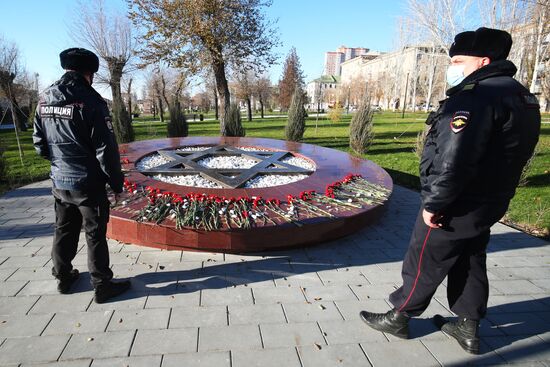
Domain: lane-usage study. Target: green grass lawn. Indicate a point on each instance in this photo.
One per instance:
(392, 150)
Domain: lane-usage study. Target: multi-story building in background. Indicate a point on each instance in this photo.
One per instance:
(333, 59)
(398, 77)
(322, 92)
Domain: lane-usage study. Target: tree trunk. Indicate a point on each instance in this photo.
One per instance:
(216, 103)
(18, 120)
(161, 108)
(431, 77)
(539, 40)
(223, 90)
(249, 108)
(121, 121)
(261, 106)
(129, 91)
(6, 84)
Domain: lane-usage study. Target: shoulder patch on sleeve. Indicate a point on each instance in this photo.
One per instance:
(530, 100)
(459, 121)
(109, 123)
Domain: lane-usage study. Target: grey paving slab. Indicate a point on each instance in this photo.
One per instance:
(16, 305)
(78, 323)
(520, 349)
(278, 295)
(6, 273)
(195, 316)
(287, 357)
(150, 342)
(129, 300)
(449, 353)
(32, 349)
(542, 284)
(228, 296)
(515, 303)
(176, 299)
(516, 287)
(331, 277)
(41, 241)
(139, 319)
(230, 337)
(209, 359)
(399, 353)
(75, 363)
(349, 332)
(519, 323)
(303, 312)
(29, 274)
(18, 251)
(155, 257)
(256, 314)
(145, 361)
(303, 280)
(288, 335)
(62, 303)
(99, 345)
(40, 287)
(329, 293)
(8, 289)
(17, 242)
(373, 291)
(331, 355)
(530, 273)
(25, 261)
(23, 325)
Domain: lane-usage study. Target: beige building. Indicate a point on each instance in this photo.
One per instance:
(321, 92)
(387, 77)
(333, 59)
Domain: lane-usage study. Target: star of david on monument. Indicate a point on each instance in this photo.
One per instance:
(186, 163)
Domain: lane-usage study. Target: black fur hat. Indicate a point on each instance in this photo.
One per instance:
(79, 59)
(484, 42)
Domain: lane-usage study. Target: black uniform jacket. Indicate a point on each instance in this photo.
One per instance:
(73, 129)
(479, 140)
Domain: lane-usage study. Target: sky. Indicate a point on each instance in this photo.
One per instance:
(41, 30)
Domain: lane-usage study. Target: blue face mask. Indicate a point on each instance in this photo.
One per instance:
(455, 75)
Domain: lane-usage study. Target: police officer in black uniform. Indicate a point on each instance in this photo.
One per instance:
(73, 130)
(479, 141)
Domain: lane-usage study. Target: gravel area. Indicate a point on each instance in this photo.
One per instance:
(231, 161)
(225, 162)
(273, 180)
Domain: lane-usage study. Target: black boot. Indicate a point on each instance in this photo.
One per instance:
(464, 330)
(65, 283)
(103, 292)
(392, 322)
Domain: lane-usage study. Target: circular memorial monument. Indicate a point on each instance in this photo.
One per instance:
(243, 194)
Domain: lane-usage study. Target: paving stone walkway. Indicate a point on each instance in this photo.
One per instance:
(291, 308)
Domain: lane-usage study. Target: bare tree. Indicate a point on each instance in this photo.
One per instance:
(10, 71)
(441, 20)
(244, 88)
(172, 84)
(206, 34)
(110, 36)
(262, 90)
(210, 84)
(129, 96)
(540, 11)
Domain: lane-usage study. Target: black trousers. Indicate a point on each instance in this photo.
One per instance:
(72, 209)
(456, 251)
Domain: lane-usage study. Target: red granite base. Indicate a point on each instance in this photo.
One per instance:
(332, 165)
